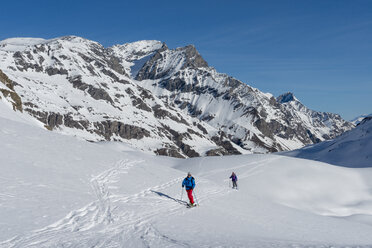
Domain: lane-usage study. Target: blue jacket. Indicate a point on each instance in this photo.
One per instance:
(189, 182)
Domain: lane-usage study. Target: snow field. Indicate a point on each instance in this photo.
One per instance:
(56, 191)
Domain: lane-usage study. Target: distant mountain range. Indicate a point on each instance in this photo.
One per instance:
(351, 149)
(165, 101)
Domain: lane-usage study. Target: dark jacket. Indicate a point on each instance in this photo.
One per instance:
(189, 183)
(234, 177)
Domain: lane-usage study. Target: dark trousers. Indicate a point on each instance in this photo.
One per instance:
(235, 185)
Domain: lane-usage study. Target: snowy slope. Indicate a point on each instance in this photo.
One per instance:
(56, 191)
(352, 149)
(358, 119)
(19, 44)
(160, 100)
(77, 87)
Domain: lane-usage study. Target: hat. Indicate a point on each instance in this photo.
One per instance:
(189, 173)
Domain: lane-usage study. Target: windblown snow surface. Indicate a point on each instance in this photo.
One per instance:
(57, 191)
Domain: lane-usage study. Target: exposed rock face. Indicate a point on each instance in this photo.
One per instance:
(193, 58)
(109, 128)
(187, 56)
(8, 92)
(287, 97)
(95, 93)
(168, 101)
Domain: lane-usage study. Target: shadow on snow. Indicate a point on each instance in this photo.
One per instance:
(169, 197)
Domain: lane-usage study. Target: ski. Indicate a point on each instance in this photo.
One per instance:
(191, 206)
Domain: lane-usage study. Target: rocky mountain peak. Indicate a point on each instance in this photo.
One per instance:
(193, 58)
(286, 97)
(137, 50)
(166, 62)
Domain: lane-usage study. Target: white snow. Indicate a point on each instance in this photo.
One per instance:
(351, 149)
(136, 50)
(19, 44)
(56, 191)
(358, 119)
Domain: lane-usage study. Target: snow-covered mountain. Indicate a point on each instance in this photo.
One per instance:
(161, 100)
(57, 191)
(351, 149)
(358, 119)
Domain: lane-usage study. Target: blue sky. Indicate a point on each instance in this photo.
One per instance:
(319, 50)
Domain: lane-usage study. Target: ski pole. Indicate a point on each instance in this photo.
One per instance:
(229, 184)
(181, 193)
(196, 197)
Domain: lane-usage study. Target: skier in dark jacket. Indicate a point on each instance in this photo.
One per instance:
(189, 183)
(234, 179)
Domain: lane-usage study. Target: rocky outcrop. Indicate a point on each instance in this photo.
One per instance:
(187, 56)
(178, 139)
(109, 128)
(106, 129)
(222, 141)
(8, 92)
(192, 58)
(96, 93)
(171, 152)
(56, 71)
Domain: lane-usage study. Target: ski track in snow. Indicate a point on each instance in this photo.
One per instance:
(115, 220)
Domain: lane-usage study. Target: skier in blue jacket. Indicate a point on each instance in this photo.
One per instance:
(189, 183)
